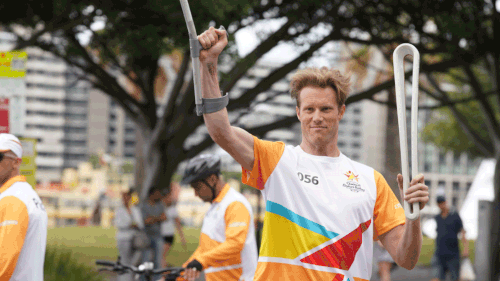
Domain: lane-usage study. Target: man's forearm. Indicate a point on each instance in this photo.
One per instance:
(410, 244)
(218, 122)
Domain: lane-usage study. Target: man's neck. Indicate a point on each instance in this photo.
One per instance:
(219, 187)
(14, 174)
(330, 149)
(445, 212)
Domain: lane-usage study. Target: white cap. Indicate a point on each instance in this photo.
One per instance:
(12, 143)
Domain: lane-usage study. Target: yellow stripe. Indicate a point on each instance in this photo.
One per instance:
(285, 239)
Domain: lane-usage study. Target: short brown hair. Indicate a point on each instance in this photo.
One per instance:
(320, 77)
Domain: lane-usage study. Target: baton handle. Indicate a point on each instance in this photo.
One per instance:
(403, 50)
(195, 47)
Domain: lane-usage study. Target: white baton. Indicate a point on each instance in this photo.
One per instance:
(403, 50)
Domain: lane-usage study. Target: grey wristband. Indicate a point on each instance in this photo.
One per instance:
(212, 105)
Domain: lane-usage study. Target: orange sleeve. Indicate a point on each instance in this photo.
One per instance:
(14, 221)
(237, 220)
(267, 154)
(388, 211)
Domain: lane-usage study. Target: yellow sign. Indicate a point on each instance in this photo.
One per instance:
(13, 64)
(28, 167)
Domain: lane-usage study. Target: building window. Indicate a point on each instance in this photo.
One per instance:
(340, 144)
(443, 169)
(356, 145)
(357, 122)
(428, 155)
(472, 167)
(441, 185)
(129, 143)
(457, 168)
(356, 133)
(454, 201)
(456, 187)
(468, 187)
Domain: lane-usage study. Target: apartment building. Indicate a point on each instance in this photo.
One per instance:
(69, 118)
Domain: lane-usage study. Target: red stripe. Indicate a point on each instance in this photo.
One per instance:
(340, 254)
(338, 277)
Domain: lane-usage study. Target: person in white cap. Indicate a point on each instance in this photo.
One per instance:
(23, 219)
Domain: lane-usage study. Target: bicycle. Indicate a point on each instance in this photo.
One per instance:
(145, 269)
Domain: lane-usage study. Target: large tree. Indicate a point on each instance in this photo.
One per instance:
(137, 33)
(450, 35)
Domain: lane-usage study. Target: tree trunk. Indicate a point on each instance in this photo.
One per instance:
(392, 149)
(159, 166)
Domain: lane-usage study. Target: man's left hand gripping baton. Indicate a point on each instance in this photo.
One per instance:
(202, 105)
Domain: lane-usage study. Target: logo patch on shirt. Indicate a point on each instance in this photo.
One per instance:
(352, 182)
(4, 223)
(397, 206)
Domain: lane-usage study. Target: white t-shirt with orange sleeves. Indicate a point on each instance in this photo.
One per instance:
(23, 232)
(227, 249)
(322, 214)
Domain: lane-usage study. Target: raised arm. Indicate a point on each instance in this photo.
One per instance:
(236, 141)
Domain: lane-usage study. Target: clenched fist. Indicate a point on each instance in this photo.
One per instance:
(213, 42)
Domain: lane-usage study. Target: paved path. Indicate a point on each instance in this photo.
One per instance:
(399, 274)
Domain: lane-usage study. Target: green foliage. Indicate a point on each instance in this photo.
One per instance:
(445, 131)
(128, 168)
(94, 160)
(61, 265)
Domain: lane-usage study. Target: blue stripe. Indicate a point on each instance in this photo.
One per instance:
(278, 209)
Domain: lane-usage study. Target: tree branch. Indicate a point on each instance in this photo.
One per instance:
(441, 105)
(276, 75)
(171, 97)
(462, 121)
(489, 114)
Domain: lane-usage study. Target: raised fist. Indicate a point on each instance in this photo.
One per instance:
(213, 42)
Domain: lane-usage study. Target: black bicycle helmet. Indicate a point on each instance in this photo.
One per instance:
(200, 167)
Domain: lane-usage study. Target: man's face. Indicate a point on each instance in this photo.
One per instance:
(319, 115)
(8, 164)
(156, 196)
(203, 191)
(442, 206)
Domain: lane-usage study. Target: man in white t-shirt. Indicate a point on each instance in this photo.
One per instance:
(128, 219)
(23, 220)
(323, 210)
(169, 226)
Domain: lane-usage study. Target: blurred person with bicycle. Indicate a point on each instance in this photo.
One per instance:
(172, 223)
(128, 220)
(227, 248)
(23, 220)
(153, 214)
(323, 210)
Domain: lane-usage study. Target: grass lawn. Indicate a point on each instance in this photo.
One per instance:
(92, 243)
(428, 251)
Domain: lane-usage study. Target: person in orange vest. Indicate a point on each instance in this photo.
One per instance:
(227, 249)
(23, 219)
